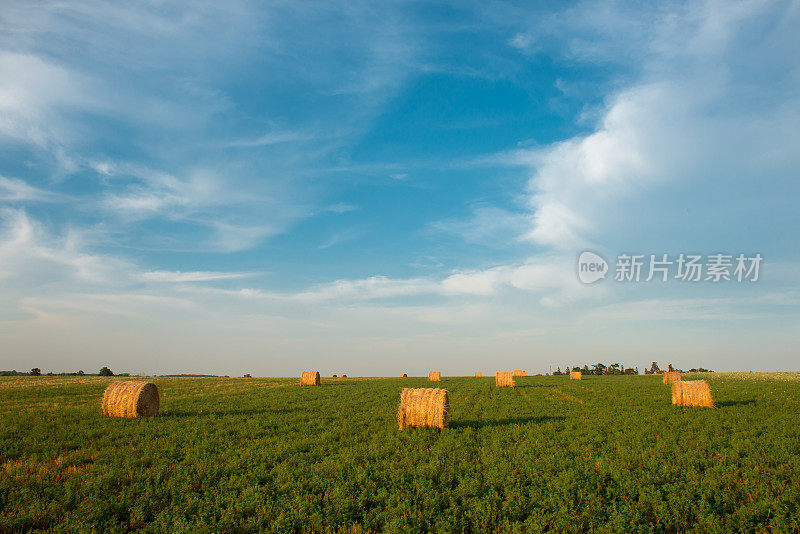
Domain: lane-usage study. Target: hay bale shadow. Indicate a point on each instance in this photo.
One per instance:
(220, 413)
(504, 422)
(730, 404)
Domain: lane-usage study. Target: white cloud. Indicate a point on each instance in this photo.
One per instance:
(30, 257)
(268, 139)
(15, 190)
(342, 207)
(191, 276)
(233, 238)
(487, 225)
(32, 90)
(552, 278)
(160, 193)
(374, 287)
(697, 118)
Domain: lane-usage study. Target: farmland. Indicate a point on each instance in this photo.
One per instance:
(604, 454)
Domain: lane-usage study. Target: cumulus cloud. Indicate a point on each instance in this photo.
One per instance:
(696, 117)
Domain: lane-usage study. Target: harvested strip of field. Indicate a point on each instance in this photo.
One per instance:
(778, 377)
(560, 394)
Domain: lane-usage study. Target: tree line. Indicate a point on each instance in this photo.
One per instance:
(618, 369)
(104, 371)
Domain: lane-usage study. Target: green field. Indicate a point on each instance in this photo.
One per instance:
(606, 454)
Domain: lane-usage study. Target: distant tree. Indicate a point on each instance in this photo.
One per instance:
(670, 368)
(585, 369)
(654, 369)
(36, 372)
(637, 369)
(614, 369)
(247, 375)
(105, 371)
(80, 373)
(558, 371)
(599, 369)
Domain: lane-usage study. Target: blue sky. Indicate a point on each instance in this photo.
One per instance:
(385, 188)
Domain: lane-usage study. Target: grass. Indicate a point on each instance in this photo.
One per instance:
(606, 454)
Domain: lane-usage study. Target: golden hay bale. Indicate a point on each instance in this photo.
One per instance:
(333, 376)
(524, 373)
(309, 378)
(434, 376)
(518, 373)
(575, 375)
(694, 393)
(424, 407)
(670, 377)
(131, 399)
(478, 374)
(344, 376)
(504, 379)
(404, 375)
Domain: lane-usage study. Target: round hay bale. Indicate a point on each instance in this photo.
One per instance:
(309, 378)
(504, 379)
(404, 375)
(434, 376)
(424, 407)
(670, 377)
(131, 398)
(478, 374)
(695, 393)
(344, 376)
(575, 375)
(333, 376)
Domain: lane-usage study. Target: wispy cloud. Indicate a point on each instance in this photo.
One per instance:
(31, 257)
(15, 190)
(342, 207)
(194, 276)
(489, 226)
(267, 139)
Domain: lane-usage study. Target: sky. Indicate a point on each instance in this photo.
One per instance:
(379, 188)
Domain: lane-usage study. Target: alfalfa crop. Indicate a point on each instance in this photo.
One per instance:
(504, 379)
(478, 374)
(575, 375)
(434, 376)
(670, 377)
(694, 393)
(424, 407)
(131, 399)
(309, 378)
